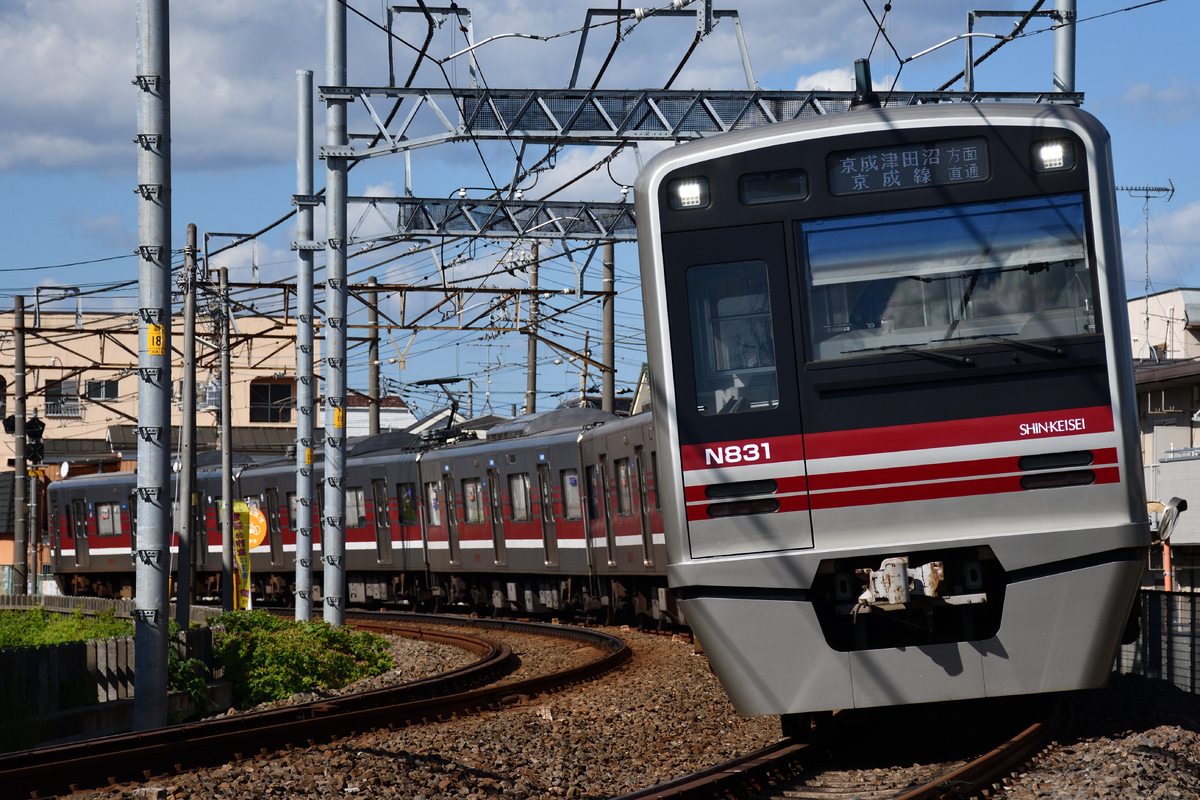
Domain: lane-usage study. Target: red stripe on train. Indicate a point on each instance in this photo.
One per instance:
(882, 495)
(899, 438)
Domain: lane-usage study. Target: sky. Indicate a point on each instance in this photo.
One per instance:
(68, 165)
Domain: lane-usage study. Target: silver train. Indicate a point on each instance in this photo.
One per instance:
(898, 455)
(554, 513)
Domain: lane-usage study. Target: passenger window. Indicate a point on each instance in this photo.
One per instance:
(569, 479)
(518, 496)
(406, 495)
(356, 511)
(108, 519)
(733, 348)
(624, 487)
(472, 501)
(433, 503)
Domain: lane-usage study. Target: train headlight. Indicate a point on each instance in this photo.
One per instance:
(1053, 155)
(683, 193)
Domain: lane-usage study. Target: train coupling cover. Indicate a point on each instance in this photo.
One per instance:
(896, 585)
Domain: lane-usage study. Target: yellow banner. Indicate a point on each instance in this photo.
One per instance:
(241, 555)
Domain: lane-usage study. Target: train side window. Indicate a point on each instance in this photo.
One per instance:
(433, 503)
(569, 480)
(624, 487)
(472, 492)
(108, 519)
(518, 496)
(406, 496)
(356, 511)
(733, 348)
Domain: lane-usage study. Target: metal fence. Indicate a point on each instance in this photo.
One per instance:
(1167, 648)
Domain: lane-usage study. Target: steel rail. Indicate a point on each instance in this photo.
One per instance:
(61, 769)
(749, 775)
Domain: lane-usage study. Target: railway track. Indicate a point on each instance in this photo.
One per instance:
(791, 770)
(51, 771)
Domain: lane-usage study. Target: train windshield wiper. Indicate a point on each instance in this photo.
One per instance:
(933, 355)
(1007, 338)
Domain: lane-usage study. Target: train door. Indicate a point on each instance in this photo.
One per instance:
(274, 529)
(78, 513)
(496, 510)
(610, 540)
(199, 531)
(451, 519)
(639, 466)
(406, 501)
(383, 524)
(546, 505)
(736, 388)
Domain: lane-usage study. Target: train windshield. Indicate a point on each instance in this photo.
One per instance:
(946, 277)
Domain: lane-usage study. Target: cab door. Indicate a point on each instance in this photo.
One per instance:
(733, 345)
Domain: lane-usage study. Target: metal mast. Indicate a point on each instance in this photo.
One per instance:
(304, 345)
(187, 438)
(153, 562)
(333, 543)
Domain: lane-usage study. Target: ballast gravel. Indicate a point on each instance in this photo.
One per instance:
(661, 715)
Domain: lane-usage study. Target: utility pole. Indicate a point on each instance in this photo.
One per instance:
(373, 357)
(608, 333)
(531, 354)
(227, 598)
(1064, 46)
(187, 438)
(304, 345)
(1148, 193)
(153, 556)
(333, 544)
(21, 478)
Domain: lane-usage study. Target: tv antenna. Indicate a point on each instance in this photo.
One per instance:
(1148, 193)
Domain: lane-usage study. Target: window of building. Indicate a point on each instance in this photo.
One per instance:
(62, 399)
(102, 390)
(271, 401)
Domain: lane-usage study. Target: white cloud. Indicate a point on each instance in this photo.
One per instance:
(1174, 247)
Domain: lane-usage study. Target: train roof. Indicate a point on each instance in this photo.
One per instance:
(558, 419)
(392, 440)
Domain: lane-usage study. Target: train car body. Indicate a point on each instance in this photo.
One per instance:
(893, 397)
(498, 525)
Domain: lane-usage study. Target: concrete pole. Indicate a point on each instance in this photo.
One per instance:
(333, 544)
(608, 331)
(531, 351)
(227, 598)
(20, 479)
(1064, 46)
(373, 357)
(153, 556)
(187, 438)
(304, 349)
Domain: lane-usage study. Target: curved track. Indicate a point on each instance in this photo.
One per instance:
(51, 771)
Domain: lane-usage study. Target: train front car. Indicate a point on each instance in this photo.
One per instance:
(895, 404)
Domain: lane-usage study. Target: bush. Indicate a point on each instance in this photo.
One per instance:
(269, 658)
(37, 626)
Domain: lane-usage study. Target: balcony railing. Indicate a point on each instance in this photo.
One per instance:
(64, 407)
